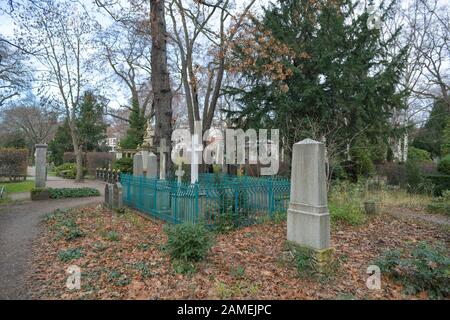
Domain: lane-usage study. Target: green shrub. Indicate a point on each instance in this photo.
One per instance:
(421, 268)
(63, 193)
(338, 172)
(364, 164)
(125, 165)
(419, 155)
(416, 182)
(70, 254)
(347, 213)
(440, 205)
(440, 182)
(225, 222)
(444, 165)
(68, 170)
(188, 242)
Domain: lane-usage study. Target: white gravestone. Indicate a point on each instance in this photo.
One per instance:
(138, 168)
(152, 166)
(308, 218)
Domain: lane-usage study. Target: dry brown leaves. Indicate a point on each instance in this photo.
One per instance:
(248, 263)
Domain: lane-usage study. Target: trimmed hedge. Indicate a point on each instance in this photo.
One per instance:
(13, 162)
(64, 193)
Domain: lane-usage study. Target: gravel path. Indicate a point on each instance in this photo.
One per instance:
(19, 225)
(405, 213)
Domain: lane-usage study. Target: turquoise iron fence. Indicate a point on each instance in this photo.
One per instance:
(213, 200)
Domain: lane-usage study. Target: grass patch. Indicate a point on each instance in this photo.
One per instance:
(63, 222)
(401, 198)
(143, 268)
(119, 279)
(345, 203)
(16, 187)
(112, 236)
(70, 254)
(183, 267)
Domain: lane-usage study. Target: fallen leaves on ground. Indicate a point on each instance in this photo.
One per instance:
(249, 263)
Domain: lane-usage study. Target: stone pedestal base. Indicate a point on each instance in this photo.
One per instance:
(308, 229)
(318, 261)
(323, 260)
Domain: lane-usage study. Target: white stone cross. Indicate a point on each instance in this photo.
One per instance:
(162, 149)
(196, 150)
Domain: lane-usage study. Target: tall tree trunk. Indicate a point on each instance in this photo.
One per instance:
(162, 100)
(78, 153)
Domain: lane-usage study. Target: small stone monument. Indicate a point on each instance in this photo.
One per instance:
(308, 222)
(41, 165)
(138, 168)
(108, 195)
(152, 166)
(117, 201)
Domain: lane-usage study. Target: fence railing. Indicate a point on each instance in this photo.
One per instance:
(213, 200)
(107, 175)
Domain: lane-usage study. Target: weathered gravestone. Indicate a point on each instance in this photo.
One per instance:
(109, 195)
(138, 166)
(41, 165)
(117, 202)
(308, 218)
(152, 166)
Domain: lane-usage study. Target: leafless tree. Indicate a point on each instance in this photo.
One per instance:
(425, 32)
(126, 51)
(60, 35)
(37, 122)
(201, 27)
(15, 76)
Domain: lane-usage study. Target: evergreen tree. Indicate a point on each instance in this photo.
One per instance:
(91, 125)
(316, 70)
(62, 142)
(445, 147)
(136, 132)
(430, 137)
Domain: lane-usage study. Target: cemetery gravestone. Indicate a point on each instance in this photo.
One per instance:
(138, 167)
(308, 218)
(152, 166)
(108, 195)
(41, 165)
(117, 196)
